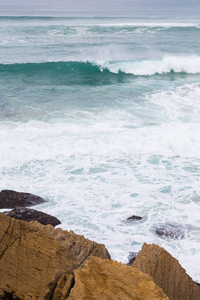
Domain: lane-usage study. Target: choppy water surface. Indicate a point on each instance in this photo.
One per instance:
(101, 116)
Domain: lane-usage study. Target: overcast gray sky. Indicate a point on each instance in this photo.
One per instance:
(96, 5)
(75, 3)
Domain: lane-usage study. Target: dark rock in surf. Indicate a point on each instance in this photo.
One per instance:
(197, 283)
(12, 199)
(170, 230)
(134, 218)
(27, 214)
(131, 258)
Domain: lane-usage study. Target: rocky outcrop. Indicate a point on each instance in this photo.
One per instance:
(105, 279)
(12, 199)
(27, 214)
(41, 263)
(167, 273)
(33, 257)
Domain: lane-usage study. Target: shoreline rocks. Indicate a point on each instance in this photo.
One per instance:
(166, 273)
(12, 199)
(27, 214)
(106, 279)
(33, 257)
(41, 262)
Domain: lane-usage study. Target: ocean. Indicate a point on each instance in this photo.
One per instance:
(100, 115)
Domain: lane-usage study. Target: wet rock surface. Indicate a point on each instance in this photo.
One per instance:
(12, 199)
(172, 231)
(134, 218)
(27, 214)
(197, 283)
(131, 258)
(175, 231)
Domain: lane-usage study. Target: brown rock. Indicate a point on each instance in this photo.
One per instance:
(33, 257)
(105, 279)
(167, 273)
(12, 199)
(27, 214)
(81, 247)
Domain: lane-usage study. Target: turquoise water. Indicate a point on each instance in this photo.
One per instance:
(100, 115)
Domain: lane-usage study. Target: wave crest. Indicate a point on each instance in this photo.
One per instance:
(110, 72)
(176, 64)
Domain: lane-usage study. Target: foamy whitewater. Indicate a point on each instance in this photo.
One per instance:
(100, 115)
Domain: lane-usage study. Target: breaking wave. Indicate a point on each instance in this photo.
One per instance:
(89, 72)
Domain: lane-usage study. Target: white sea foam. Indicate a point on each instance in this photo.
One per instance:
(181, 103)
(96, 176)
(150, 24)
(177, 64)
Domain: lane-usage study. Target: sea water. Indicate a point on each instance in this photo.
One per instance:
(100, 115)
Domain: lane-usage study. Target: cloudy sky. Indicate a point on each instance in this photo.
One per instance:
(96, 5)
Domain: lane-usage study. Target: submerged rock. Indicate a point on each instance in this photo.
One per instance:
(134, 218)
(27, 214)
(197, 283)
(172, 231)
(131, 258)
(105, 279)
(33, 257)
(12, 199)
(167, 273)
